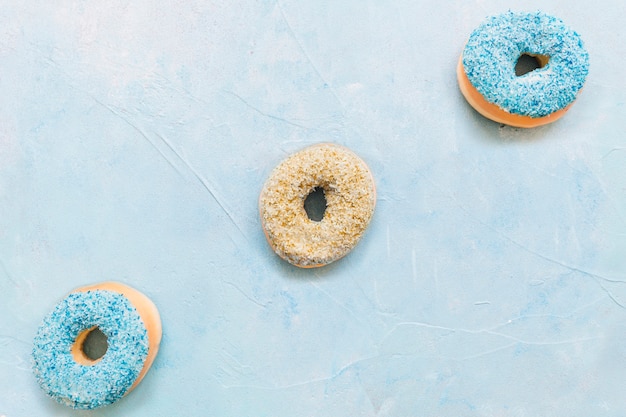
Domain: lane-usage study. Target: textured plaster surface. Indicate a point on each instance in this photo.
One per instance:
(135, 137)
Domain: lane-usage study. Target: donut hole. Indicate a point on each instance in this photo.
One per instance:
(95, 344)
(315, 204)
(529, 62)
(90, 346)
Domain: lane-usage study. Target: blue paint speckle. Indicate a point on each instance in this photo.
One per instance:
(494, 47)
(88, 387)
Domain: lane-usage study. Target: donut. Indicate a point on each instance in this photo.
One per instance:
(348, 188)
(486, 69)
(68, 372)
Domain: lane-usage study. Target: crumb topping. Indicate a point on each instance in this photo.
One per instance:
(350, 200)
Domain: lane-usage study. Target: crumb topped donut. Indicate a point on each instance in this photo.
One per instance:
(486, 69)
(349, 191)
(71, 374)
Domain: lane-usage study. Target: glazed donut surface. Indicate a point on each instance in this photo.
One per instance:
(350, 200)
(132, 326)
(486, 69)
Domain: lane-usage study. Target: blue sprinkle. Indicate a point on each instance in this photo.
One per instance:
(494, 47)
(88, 387)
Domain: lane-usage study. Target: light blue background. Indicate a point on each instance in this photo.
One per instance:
(134, 141)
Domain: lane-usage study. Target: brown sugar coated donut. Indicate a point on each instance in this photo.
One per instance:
(350, 194)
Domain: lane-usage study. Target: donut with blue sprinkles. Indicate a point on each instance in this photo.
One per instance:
(487, 77)
(70, 374)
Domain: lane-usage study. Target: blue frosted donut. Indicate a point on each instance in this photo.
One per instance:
(486, 69)
(66, 374)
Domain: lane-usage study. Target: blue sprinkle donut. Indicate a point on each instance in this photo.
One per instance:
(486, 69)
(132, 327)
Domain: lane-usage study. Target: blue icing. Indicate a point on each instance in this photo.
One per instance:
(494, 47)
(105, 382)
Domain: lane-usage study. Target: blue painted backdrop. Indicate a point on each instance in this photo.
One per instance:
(134, 141)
